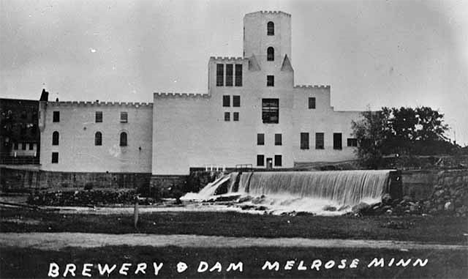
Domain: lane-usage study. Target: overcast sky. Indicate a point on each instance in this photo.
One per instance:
(373, 53)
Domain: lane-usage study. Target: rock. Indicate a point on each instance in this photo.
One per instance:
(329, 208)
(245, 199)
(407, 199)
(439, 193)
(449, 206)
(361, 208)
(386, 199)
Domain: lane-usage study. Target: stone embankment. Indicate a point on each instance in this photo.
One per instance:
(449, 197)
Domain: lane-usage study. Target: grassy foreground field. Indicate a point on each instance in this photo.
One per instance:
(202, 262)
(437, 229)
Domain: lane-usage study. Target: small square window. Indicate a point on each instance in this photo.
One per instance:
(98, 116)
(236, 116)
(260, 160)
(236, 101)
(312, 103)
(319, 141)
(304, 141)
(123, 117)
(227, 116)
(278, 160)
(270, 81)
(260, 139)
(226, 101)
(352, 142)
(56, 116)
(55, 157)
(278, 139)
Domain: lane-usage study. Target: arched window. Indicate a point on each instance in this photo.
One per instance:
(270, 28)
(55, 138)
(123, 139)
(270, 54)
(98, 138)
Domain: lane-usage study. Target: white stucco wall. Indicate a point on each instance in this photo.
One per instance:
(77, 128)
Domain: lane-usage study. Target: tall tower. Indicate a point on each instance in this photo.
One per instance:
(267, 30)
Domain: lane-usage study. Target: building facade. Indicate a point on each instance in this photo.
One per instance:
(253, 114)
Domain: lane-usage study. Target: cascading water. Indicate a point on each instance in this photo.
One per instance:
(321, 192)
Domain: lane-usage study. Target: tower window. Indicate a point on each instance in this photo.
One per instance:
(270, 80)
(260, 160)
(55, 157)
(98, 139)
(235, 116)
(312, 103)
(55, 138)
(31, 146)
(123, 117)
(236, 101)
(304, 140)
(270, 54)
(219, 74)
(238, 75)
(229, 74)
(337, 144)
(278, 160)
(23, 146)
(278, 139)
(227, 116)
(98, 116)
(260, 139)
(270, 110)
(270, 28)
(56, 116)
(319, 141)
(226, 101)
(123, 139)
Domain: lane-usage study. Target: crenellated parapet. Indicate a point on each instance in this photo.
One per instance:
(227, 59)
(312, 86)
(270, 12)
(99, 104)
(181, 95)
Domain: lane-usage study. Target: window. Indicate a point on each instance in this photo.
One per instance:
(98, 138)
(123, 139)
(55, 157)
(260, 160)
(319, 141)
(236, 101)
(304, 140)
(227, 116)
(16, 146)
(55, 138)
(123, 117)
(270, 110)
(278, 160)
(226, 101)
(278, 139)
(31, 146)
(312, 103)
(270, 54)
(270, 28)
(23, 146)
(238, 75)
(56, 116)
(260, 139)
(229, 74)
(270, 81)
(98, 116)
(236, 116)
(337, 141)
(352, 142)
(219, 74)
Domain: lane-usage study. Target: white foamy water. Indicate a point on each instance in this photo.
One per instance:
(323, 193)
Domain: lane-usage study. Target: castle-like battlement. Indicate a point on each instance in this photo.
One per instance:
(227, 59)
(180, 95)
(269, 12)
(313, 86)
(98, 104)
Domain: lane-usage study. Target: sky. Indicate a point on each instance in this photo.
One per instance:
(373, 53)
